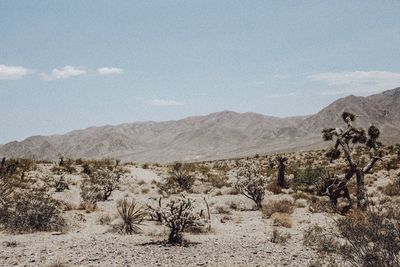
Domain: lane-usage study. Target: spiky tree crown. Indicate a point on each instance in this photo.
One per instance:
(347, 115)
(353, 134)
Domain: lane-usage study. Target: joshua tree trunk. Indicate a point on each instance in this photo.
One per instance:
(281, 171)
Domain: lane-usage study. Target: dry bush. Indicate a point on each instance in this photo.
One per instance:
(282, 219)
(317, 205)
(99, 184)
(300, 194)
(60, 184)
(178, 215)
(218, 181)
(178, 180)
(393, 188)
(145, 190)
(252, 183)
(364, 238)
(132, 215)
(278, 237)
(274, 188)
(281, 206)
(64, 166)
(30, 211)
(222, 210)
(104, 219)
(12, 179)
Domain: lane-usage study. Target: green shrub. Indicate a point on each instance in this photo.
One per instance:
(32, 211)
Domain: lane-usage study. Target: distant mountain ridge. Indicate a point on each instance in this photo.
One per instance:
(217, 135)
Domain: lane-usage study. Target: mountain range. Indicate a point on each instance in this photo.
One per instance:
(218, 135)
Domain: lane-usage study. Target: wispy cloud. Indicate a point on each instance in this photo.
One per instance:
(109, 71)
(280, 95)
(358, 81)
(13, 72)
(164, 103)
(63, 73)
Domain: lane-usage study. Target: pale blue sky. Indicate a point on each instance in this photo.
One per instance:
(67, 65)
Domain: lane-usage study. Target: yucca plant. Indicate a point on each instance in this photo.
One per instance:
(132, 216)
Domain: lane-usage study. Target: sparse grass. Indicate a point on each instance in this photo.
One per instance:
(218, 181)
(278, 237)
(280, 206)
(222, 210)
(282, 219)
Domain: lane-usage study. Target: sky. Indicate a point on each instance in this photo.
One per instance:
(68, 65)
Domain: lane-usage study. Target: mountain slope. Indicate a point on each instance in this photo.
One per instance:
(217, 135)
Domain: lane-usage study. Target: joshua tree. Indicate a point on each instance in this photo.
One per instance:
(281, 171)
(252, 182)
(342, 138)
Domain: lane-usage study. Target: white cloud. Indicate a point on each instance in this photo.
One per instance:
(12, 72)
(109, 71)
(164, 103)
(358, 81)
(63, 73)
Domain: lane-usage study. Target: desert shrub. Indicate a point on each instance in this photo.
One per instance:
(315, 237)
(223, 210)
(132, 215)
(280, 206)
(364, 238)
(218, 181)
(317, 205)
(60, 184)
(178, 180)
(278, 237)
(274, 188)
(155, 212)
(32, 210)
(282, 219)
(300, 194)
(393, 188)
(178, 215)
(89, 196)
(307, 179)
(145, 166)
(104, 219)
(64, 166)
(252, 183)
(100, 184)
(12, 178)
(391, 164)
(90, 166)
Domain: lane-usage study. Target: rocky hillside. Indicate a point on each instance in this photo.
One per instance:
(217, 135)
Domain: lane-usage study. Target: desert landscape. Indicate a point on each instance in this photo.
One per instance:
(286, 209)
(183, 133)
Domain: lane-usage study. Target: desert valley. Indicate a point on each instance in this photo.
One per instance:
(78, 200)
